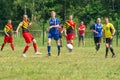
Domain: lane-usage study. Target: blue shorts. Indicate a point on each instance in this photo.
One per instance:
(55, 36)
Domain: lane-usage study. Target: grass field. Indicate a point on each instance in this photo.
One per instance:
(82, 64)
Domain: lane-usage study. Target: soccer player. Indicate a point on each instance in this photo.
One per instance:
(60, 33)
(97, 30)
(26, 34)
(81, 33)
(108, 32)
(70, 27)
(8, 35)
(53, 32)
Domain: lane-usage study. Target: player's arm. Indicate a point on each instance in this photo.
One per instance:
(113, 31)
(5, 31)
(93, 29)
(34, 19)
(19, 26)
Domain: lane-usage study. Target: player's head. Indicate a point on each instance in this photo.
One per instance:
(106, 20)
(82, 23)
(98, 20)
(71, 17)
(53, 14)
(9, 21)
(25, 17)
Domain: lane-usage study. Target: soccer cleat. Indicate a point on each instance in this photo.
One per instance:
(38, 53)
(113, 56)
(58, 53)
(49, 54)
(24, 55)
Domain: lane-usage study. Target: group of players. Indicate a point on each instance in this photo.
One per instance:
(54, 31)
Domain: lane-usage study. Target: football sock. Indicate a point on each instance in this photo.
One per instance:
(35, 47)
(58, 48)
(107, 49)
(12, 46)
(48, 48)
(111, 49)
(98, 46)
(2, 46)
(25, 49)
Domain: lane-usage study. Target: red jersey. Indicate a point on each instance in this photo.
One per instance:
(81, 29)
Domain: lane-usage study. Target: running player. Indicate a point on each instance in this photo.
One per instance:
(108, 32)
(26, 34)
(8, 35)
(97, 30)
(53, 32)
(81, 33)
(70, 27)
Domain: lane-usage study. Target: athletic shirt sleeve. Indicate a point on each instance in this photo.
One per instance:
(21, 24)
(93, 27)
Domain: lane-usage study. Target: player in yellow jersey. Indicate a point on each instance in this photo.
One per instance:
(108, 33)
(26, 34)
(8, 35)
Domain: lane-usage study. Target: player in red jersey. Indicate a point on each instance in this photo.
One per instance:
(70, 27)
(26, 34)
(81, 33)
(8, 35)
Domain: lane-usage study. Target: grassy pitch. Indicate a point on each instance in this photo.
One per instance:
(82, 64)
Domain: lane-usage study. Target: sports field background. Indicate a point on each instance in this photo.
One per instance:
(82, 64)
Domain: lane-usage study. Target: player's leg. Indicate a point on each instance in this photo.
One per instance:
(11, 43)
(79, 38)
(56, 38)
(107, 47)
(60, 36)
(83, 40)
(95, 42)
(111, 49)
(49, 46)
(12, 46)
(98, 43)
(3, 46)
(35, 47)
(26, 49)
(58, 46)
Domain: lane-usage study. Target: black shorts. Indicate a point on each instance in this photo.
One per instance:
(97, 39)
(109, 41)
(81, 36)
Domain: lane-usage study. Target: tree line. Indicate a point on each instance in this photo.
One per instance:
(82, 10)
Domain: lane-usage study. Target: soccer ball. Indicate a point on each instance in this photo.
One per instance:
(69, 46)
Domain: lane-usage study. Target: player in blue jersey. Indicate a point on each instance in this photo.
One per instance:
(53, 32)
(97, 30)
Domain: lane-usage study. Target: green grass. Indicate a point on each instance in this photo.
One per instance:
(82, 64)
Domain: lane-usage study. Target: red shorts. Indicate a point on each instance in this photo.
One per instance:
(8, 39)
(28, 37)
(70, 36)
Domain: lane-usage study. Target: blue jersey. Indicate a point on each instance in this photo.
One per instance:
(98, 28)
(53, 22)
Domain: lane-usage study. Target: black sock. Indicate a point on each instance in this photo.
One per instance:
(112, 51)
(98, 46)
(107, 49)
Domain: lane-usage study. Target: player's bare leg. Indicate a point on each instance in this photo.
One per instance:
(12, 46)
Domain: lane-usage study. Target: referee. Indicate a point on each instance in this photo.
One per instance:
(108, 32)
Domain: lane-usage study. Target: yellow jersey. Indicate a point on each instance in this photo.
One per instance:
(107, 29)
(8, 28)
(24, 24)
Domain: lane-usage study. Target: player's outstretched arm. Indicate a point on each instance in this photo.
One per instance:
(34, 19)
(19, 26)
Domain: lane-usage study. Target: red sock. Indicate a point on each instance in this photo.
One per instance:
(25, 49)
(2, 46)
(12, 46)
(35, 47)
